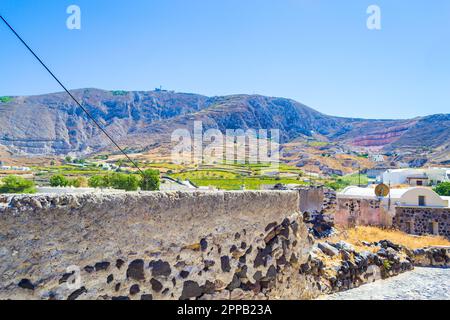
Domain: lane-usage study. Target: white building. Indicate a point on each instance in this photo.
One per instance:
(376, 157)
(416, 177)
(415, 196)
(14, 168)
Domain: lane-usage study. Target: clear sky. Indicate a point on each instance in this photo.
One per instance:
(318, 52)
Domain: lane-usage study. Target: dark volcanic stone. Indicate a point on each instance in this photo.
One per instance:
(208, 287)
(101, 266)
(271, 273)
(66, 277)
(74, 295)
(203, 244)
(191, 289)
(270, 226)
(117, 287)
(26, 284)
(225, 263)
(89, 269)
(208, 264)
(136, 270)
(146, 297)
(110, 278)
(281, 261)
(119, 263)
(120, 298)
(258, 275)
(234, 284)
(156, 285)
(160, 268)
(134, 289)
(184, 274)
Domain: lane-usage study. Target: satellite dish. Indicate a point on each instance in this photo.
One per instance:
(382, 190)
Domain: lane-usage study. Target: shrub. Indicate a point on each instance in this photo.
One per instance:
(150, 180)
(79, 182)
(127, 182)
(443, 189)
(98, 182)
(15, 184)
(59, 180)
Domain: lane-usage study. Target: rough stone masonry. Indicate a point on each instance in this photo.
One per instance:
(153, 245)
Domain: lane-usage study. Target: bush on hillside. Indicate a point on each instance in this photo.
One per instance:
(98, 182)
(58, 180)
(79, 182)
(443, 189)
(15, 184)
(150, 180)
(121, 181)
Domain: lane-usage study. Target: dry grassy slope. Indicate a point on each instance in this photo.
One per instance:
(355, 236)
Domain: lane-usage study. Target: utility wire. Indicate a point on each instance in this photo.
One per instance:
(73, 98)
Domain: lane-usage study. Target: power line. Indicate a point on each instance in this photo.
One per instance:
(73, 98)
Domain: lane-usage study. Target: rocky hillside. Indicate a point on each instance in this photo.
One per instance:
(53, 124)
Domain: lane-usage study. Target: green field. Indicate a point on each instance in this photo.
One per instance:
(227, 176)
(231, 180)
(353, 179)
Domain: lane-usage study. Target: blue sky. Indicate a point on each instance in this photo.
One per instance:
(314, 51)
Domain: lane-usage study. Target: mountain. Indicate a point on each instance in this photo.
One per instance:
(53, 124)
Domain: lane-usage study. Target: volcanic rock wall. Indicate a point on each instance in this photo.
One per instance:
(153, 245)
(423, 220)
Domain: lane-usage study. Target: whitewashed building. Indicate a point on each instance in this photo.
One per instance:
(416, 177)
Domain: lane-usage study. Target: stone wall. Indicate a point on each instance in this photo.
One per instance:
(423, 220)
(153, 245)
(352, 212)
(311, 199)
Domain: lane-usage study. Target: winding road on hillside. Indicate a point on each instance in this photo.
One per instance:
(419, 284)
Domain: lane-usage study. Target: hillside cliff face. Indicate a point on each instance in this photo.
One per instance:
(53, 124)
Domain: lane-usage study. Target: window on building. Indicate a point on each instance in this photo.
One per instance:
(422, 201)
(419, 183)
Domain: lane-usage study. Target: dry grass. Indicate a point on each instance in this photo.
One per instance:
(355, 236)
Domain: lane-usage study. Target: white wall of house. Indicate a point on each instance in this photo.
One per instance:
(399, 176)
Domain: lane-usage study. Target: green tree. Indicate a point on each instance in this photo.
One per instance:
(150, 180)
(15, 184)
(127, 182)
(443, 189)
(68, 159)
(98, 182)
(58, 180)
